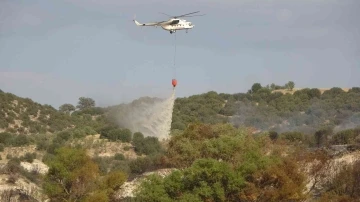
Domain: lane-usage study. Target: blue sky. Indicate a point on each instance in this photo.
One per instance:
(57, 51)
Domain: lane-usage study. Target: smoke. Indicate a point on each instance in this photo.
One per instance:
(308, 121)
(352, 122)
(150, 116)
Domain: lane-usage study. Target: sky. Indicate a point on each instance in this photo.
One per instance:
(57, 51)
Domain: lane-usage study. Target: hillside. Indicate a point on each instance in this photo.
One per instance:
(265, 109)
(305, 110)
(261, 108)
(264, 139)
(24, 116)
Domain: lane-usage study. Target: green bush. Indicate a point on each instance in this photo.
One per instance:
(6, 138)
(346, 136)
(21, 140)
(2, 147)
(293, 136)
(273, 135)
(3, 122)
(29, 157)
(119, 157)
(113, 134)
(148, 145)
(140, 165)
(205, 180)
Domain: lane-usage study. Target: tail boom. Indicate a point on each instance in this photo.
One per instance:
(147, 24)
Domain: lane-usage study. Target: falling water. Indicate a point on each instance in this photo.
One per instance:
(150, 117)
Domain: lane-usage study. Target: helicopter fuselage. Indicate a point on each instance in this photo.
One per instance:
(171, 25)
(181, 25)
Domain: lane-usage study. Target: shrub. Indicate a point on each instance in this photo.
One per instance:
(114, 134)
(140, 165)
(147, 146)
(273, 135)
(119, 157)
(20, 140)
(6, 138)
(29, 157)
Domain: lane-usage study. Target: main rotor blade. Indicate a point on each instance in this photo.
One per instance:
(192, 16)
(166, 14)
(187, 14)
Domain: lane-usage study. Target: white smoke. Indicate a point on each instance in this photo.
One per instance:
(150, 116)
(351, 123)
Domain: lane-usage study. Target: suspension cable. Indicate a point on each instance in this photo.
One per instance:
(175, 56)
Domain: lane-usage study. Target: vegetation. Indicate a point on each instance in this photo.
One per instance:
(23, 116)
(345, 185)
(306, 110)
(262, 145)
(223, 163)
(74, 176)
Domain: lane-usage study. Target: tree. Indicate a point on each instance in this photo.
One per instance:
(272, 86)
(205, 180)
(276, 182)
(112, 182)
(72, 175)
(273, 135)
(353, 89)
(290, 85)
(66, 108)
(314, 93)
(333, 92)
(321, 137)
(85, 103)
(255, 87)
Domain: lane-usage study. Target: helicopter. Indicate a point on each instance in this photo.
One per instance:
(173, 24)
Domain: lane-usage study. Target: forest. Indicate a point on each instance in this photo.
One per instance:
(272, 143)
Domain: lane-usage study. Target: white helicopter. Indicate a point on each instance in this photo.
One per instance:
(173, 24)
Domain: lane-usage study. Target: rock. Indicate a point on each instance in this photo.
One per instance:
(36, 165)
(128, 188)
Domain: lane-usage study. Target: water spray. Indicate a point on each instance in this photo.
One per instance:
(151, 117)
